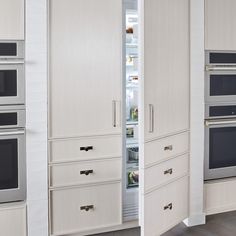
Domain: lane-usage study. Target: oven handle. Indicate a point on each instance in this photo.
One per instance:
(220, 122)
(13, 132)
(11, 62)
(221, 68)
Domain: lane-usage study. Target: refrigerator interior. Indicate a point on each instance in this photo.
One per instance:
(131, 145)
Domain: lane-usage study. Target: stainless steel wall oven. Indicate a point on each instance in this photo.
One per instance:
(12, 122)
(12, 154)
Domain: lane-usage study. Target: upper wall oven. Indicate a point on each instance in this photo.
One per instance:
(220, 82)
(12, 82)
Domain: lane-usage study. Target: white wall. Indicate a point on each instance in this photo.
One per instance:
(197, 215)
(36, 121)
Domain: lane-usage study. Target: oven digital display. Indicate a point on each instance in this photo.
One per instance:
(8, 49)
(222, 58)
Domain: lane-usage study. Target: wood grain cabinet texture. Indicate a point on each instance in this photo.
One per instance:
(12, 19)
(220, 25)
(85, 125)
(13, 220)
(165, 72)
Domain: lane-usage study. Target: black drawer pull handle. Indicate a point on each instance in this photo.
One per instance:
(170, 171)
(86, 149)
(168, 148)
(169, 206)
(86, 172)
(87, 208)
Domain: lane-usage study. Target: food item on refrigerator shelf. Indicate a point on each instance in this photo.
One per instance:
(134, 113)
(129, 30)
(133, 177)
(130, 132)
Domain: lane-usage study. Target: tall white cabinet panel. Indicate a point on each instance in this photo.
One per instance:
(85, 97)
(12, 19)
(165, 76)
(220, 24)
(166, 67)
(85, 84)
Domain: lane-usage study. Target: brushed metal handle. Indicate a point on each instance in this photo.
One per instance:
(168, 148)
(87, 208)
(86, 149)
(114, 113)
(169, 206)
(170, 171)
(13, 132)
(86, 172)
(151, 118)
(220, 122)
(11, 61)
(220, 68)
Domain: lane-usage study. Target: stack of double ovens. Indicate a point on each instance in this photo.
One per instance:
(220, 112)
(12, 122)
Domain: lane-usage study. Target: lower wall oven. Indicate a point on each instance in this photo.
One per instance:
(220, 148)
(12, 154)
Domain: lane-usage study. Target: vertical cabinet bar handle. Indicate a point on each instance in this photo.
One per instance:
(151, 118)
(114, 113)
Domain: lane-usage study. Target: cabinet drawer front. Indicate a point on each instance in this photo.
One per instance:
(81, 209)
(85, 149)
(165, 148)
(85, 172)
(166, 171)
(166, 207)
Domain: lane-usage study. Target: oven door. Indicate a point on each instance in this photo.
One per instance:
(12, 166)
(220, 149)
(220, 86)
(12, 83)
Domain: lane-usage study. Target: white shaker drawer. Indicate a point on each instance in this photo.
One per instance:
(170, 205)
(86, 172)
(85, 148)
(166, 171)
(81, 209)
(162, 149)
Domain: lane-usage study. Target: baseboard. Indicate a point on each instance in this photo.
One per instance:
(195, 220)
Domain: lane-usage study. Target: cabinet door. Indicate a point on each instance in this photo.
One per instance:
(220, 24)
(85, 67)
(12, 19)
(166, 67)
(165, 76)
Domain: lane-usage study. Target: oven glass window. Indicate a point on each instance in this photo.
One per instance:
(222, 85)
(8, 83)
(222, 147)
(8, 164)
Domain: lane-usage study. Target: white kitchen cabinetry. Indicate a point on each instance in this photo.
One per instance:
(220, 25)
(165, 82)
(85, 125)
(85, 67)
(13, 219)
(12, 19)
